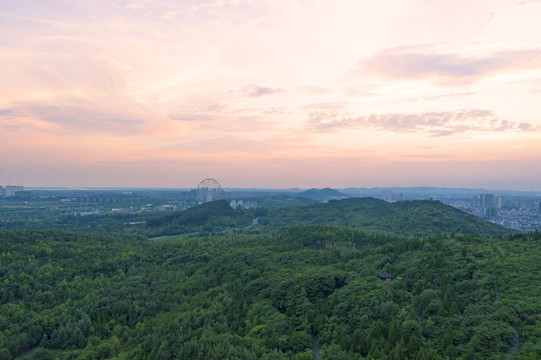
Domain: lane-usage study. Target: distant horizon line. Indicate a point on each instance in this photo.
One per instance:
(469, 189)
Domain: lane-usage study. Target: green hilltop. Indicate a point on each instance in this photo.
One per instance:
(408, 218)
(325, 194)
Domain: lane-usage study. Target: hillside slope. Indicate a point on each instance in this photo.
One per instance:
(323, 194)
(209, 217)
(407, 218)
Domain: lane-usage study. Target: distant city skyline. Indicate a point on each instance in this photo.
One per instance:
(271, 94)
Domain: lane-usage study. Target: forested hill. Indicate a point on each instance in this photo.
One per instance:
(211, 217)
(408, 218)
(417, 218)
(323, 194)
(249, 296)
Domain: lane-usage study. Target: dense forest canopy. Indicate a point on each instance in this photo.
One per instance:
(296, 282)
(410, 218)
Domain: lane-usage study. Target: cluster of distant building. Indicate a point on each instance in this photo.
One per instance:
(125, 197)
(242, 204)
(387, 195)
(512, 212)
(491, 201)
(11, 190)
(520, 212)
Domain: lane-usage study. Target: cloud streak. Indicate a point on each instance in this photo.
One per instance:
(5, 112)
(442, 96)
(432, 123)
(410, 63)
(191, 117)
(83, 117)
(262, 91)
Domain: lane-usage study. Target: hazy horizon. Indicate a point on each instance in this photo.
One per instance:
(271, 94)
(289, 189)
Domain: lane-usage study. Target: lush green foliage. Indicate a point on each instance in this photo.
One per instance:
(205, 218)
(409, 218)
(264, 296)
(322, 194)
(38, 217)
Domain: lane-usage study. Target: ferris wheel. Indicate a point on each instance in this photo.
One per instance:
(209, 190)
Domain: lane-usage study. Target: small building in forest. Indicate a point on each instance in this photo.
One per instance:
(385, 276)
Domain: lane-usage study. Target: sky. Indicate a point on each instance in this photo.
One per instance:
(276, 94)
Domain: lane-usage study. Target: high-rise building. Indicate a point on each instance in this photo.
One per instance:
(527, 205)
(491, 211)
(387, 195)
(10, 190)
(499, 201)
(487, 200)
(514, 202)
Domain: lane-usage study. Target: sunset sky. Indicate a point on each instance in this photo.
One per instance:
(295, 93)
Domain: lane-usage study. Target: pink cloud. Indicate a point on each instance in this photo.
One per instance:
(412, 63)
(83, 116)
(433, 123)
